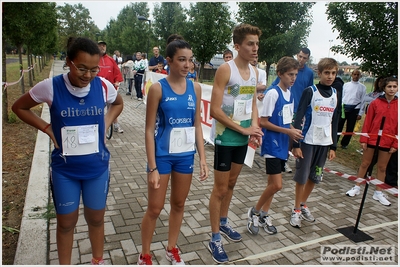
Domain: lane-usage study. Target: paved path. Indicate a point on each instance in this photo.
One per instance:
(127, 202)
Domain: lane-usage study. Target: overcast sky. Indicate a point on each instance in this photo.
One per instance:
(318, 40)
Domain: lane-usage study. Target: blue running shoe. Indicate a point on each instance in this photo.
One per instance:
(217, 251)
(229, 233)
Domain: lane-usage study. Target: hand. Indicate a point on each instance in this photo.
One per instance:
(358, 117)
(392, 150)
(260, 97)
(295, 134)
(203, 171)
(364, 146)
(255, 140)
(332, 154)
(253, 130)
(154, 179)
(297, 153)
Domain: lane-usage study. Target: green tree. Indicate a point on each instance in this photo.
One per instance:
(127, 33)
(285, 27)
(369, 31)
(170, 18)
(209, 30)
(74, 20)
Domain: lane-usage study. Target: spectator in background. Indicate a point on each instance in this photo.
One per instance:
(338, 85)
(109, 70)
(160, 68)
(192, 74)
(128, 70)
(138, 72)
(227, 55)
(155, 59)
(353, 95)
(378, 90)
(118, 59)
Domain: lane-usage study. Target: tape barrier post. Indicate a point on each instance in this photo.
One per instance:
(352, 232)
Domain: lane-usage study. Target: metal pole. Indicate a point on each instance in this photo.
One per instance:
(369, 174)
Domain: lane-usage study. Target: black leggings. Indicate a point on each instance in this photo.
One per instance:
(138, 85)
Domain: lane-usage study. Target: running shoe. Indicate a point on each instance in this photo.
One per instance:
(378, 195)
(287, 168)
(229, 233)
(353, 191)
(295, 219)
(252, 222)
(97, 262)
(306, 214)
(217, 251)
(174, 257)
(145, 260)
(265, 222)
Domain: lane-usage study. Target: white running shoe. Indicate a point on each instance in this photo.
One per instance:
(353, 191)
(378, 195)
(287, 168)
(306, 214)
(295, 219)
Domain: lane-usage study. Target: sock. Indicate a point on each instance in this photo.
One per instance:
(263, 213)
(296, 209)
(302, 204)
(255, 212)
(223, 220)
(215, 237)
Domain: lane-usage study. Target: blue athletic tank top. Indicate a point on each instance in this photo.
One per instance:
(78, 112)
(174, 111)
(274, 143)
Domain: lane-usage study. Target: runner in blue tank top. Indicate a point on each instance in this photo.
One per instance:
(276, 117)
(172, 134)
(80, 159)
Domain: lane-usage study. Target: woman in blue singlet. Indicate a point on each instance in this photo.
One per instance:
(80, 159)
(172, 134)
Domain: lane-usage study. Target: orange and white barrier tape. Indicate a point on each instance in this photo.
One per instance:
(390, 189)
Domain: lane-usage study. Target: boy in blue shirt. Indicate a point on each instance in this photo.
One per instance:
(276, 117)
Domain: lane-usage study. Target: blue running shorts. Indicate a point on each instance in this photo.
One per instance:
(167, 164)
(66, 192)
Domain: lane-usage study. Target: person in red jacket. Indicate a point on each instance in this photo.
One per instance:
(384, 106)
(110, 70)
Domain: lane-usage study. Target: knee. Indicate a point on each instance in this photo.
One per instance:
(277, 187)
(153, 212)
(65, 226)
(220, 193)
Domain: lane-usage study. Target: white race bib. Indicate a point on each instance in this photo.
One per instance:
(287, 116)
(242, 110)
(80, 140)
(182, 140)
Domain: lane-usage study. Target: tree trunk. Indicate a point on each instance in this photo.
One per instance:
(33, 67)
(4, 73)
(21, 68)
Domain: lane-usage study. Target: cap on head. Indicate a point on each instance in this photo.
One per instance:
(102, 42)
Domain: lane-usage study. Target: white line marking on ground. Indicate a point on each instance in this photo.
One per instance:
(307, 243)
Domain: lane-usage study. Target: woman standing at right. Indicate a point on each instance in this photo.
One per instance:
(384, 106)
(172, 133)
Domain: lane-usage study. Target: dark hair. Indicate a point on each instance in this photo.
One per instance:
(241, 30)
(285, 64)
(78, 44)
(174, 37)
(173, 46)
(387, 80)
(378, 84)
(306, 51)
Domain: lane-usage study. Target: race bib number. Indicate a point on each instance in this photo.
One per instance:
(182, 140)
(242, 110)
(80, 140)
(287, 115)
